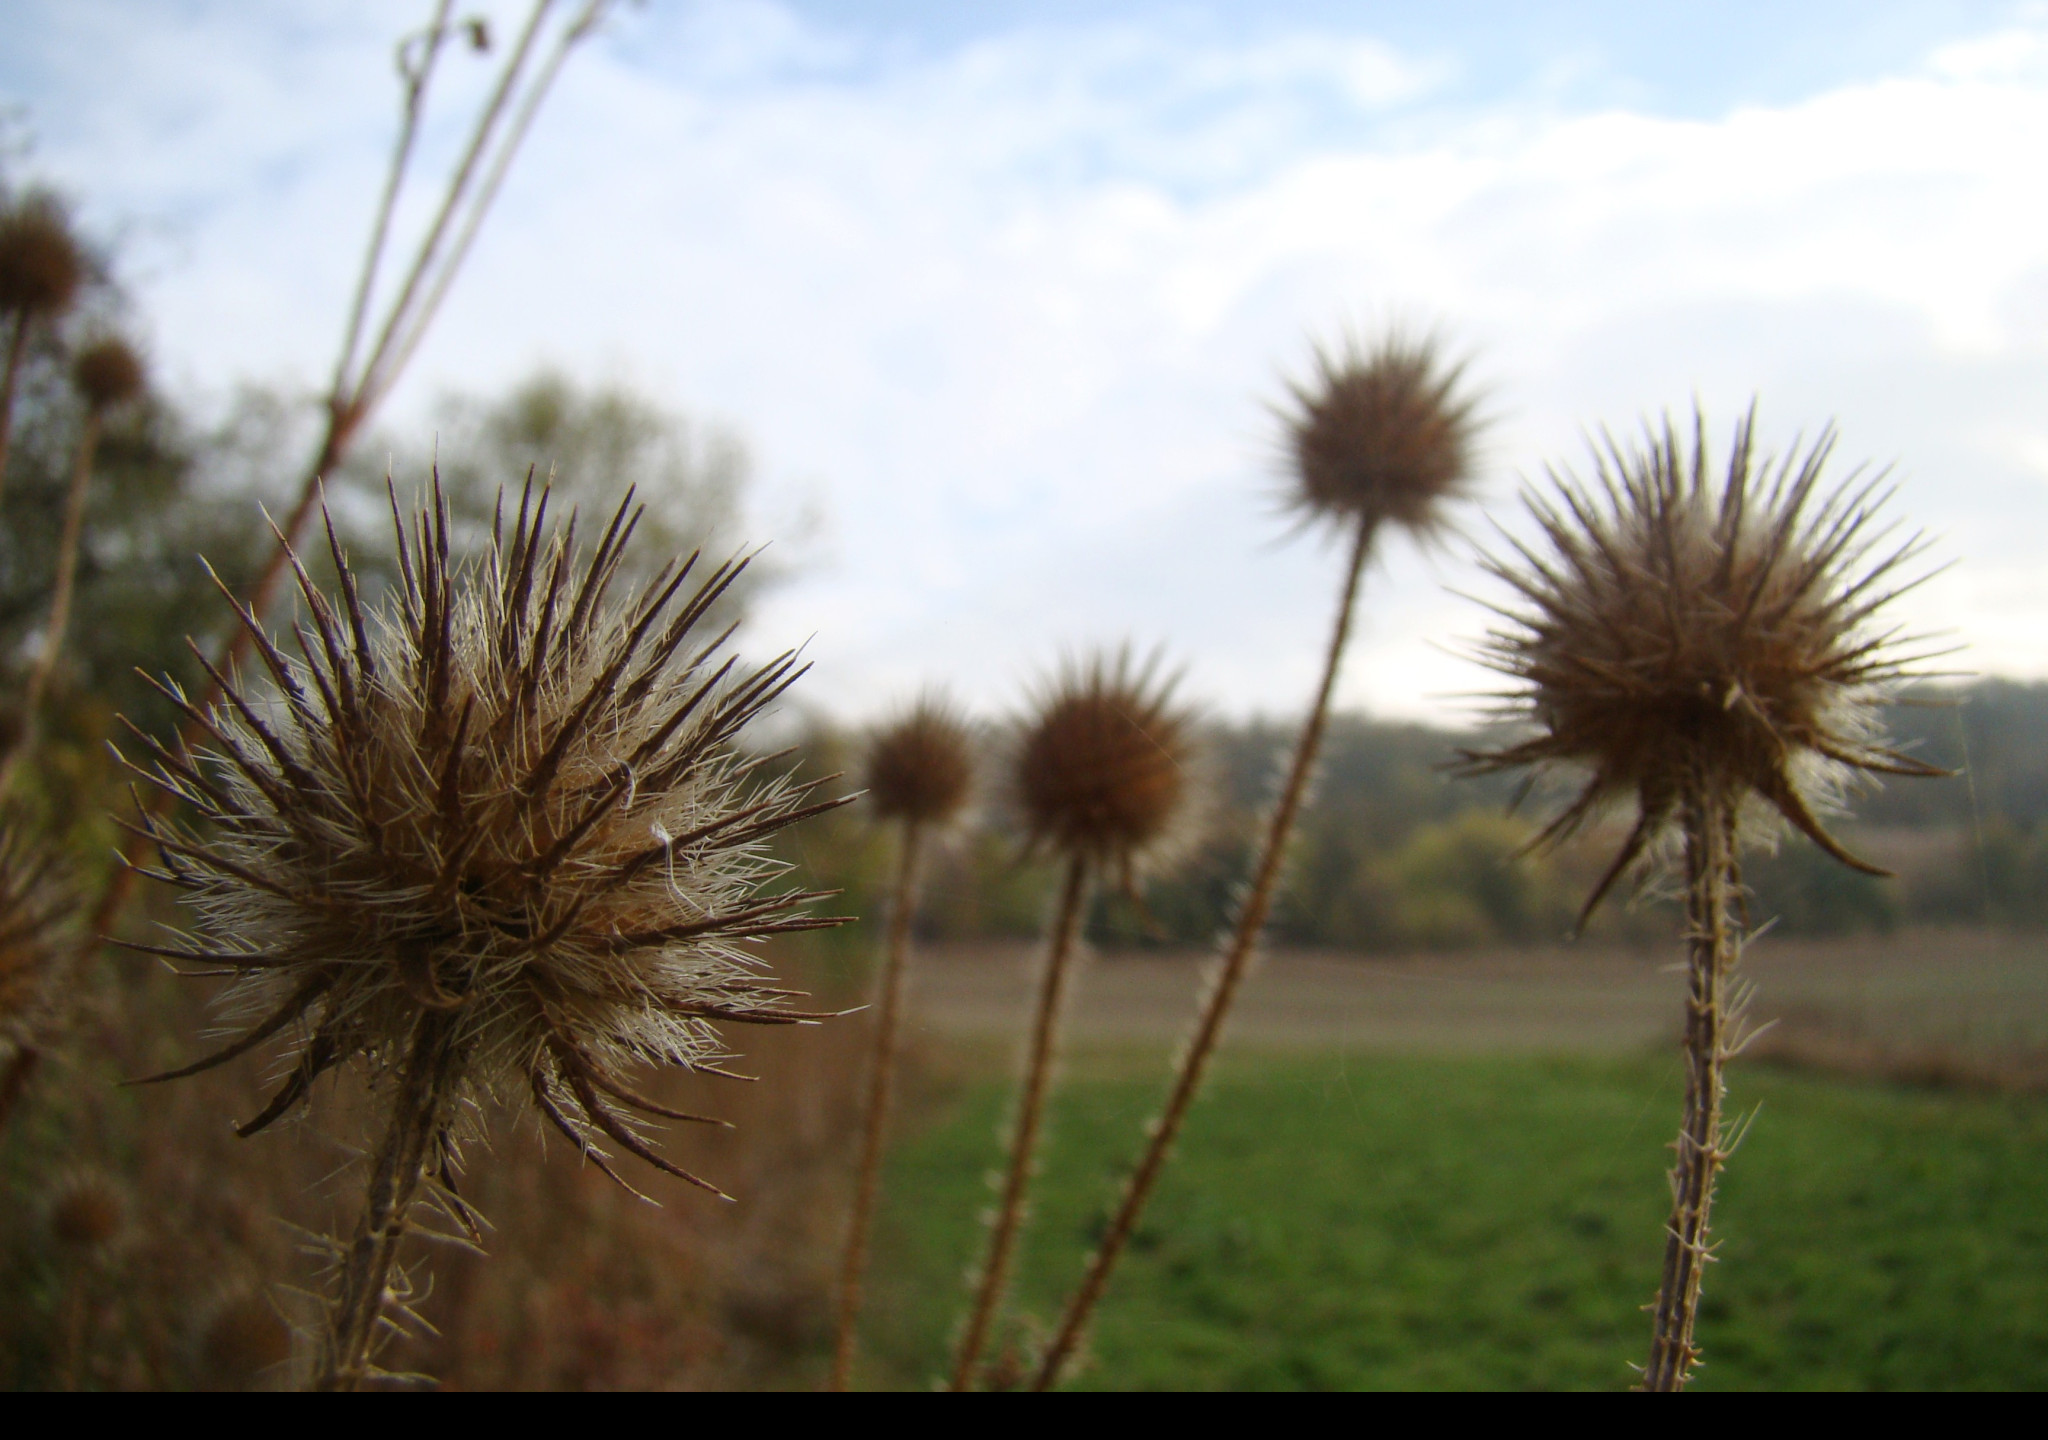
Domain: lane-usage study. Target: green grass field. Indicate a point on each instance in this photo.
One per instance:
(1346, 1221)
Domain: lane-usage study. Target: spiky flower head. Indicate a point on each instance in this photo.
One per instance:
(41, 266)
(107, 372)
(38, 938)
(1384, 435)
(921, 766)
(505, 798)
(1102, 768)
(1688, 630)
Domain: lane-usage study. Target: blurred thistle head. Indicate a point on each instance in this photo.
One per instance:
(1381, 435)
(506, 798)
(87, 1210)
(244, 1341)
(41, 264)
(1689, 635)
(1102, 770)
(921, 766)
(38, 937)
(107, 373)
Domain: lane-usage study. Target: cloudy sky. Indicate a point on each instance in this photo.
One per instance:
(1003, 293)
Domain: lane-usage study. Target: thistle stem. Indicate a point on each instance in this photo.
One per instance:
(1251, 921)
(419, 1112)
(1710, 879)
(881, 1082)
(1002, 1238)
(60, 599)
(14, 1079)
(10, 381)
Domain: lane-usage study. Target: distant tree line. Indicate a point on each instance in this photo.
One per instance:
(1399, 853)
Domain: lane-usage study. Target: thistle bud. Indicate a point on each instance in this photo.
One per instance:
(921, 767)
(107, 373)
(1102, 770)
(1685, 631)
(504, 806)
(41, 266)
(1381, 436)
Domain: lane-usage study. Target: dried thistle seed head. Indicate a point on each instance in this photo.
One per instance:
(1686, 633)
(41, 266)
(1381, 436)
(86, 1212)
(505, 799)
(38, 936)
(107, 373)
(1102, 769)
(921, 767)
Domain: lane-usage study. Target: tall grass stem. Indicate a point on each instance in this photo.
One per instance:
(1002, 1239)
(1230, 975)
(881, 1084)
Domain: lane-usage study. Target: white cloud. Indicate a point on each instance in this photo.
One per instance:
(1011, 311)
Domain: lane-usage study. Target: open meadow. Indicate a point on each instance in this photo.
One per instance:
(1440, 1171)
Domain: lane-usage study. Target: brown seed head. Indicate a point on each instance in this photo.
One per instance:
(107, 373)
(1102, 771)
(1381, 436)
(504, 797)
(921, 767)
(86, 1213)
(1685, 633)
(41, 266)
(37, 936)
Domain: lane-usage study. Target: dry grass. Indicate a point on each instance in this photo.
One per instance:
(585, 1287)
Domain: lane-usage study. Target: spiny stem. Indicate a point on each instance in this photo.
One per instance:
(1244, 940)
(1002, 1238)
(419, 1112)
(1710, 878)
(60, 598)
(881, 1078)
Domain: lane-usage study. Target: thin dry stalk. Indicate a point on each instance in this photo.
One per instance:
(10, 382)
(1216, 1007)
(1712, 948)
(1002, 1239)
(20, 1069)
(59, 621)
(881, 1081)
(41, 271)
(357, 391)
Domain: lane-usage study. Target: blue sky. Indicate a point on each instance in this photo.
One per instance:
(1001, 292)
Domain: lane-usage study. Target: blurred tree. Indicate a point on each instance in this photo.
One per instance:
(592, 442)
